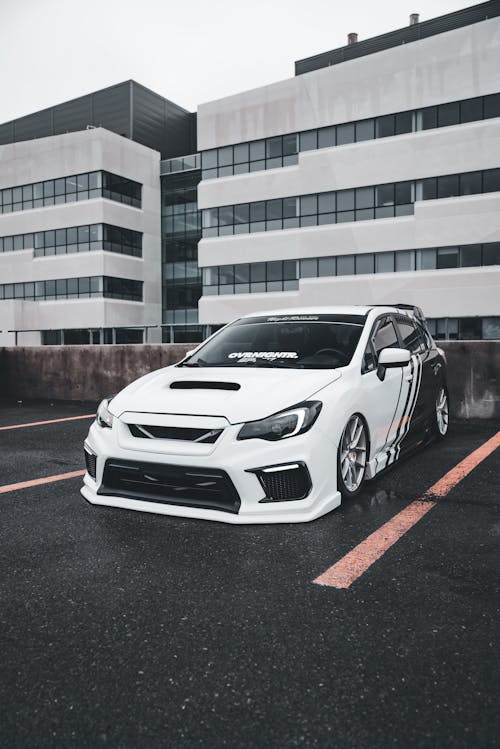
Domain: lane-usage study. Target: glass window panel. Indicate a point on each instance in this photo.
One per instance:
(209, 159)
(241, 153)
(429, 188)
(491, 253)
(492, 106)
(50, 238)
(257, 166)
(385, 126)
(426, 259)
(241, 228)
(8, 244)
(27, 192)
(471, 110)
(326, 202)
(404, 210)
(491, 180)
(289, 270)
(403, 123)
(384, 212)
(274, 148)
(50, 288)
(289, 144)
(365, 197)
(241, 168)
(365, 214)
(326, 137)
(429, 118)
(226, 171)
(258, 150)
(210, 217)
(60, 186)
(226, 274)
(274, 224)
(327, 218)
(28, 241)
(60, 237)
(470, 328)
(61, 287)
(326, 266)
(345, 217)
(257, 211)
(309, 268)
(448, 186)
(365, 263)
(470, 256)
(38, 190)
(405, 260)
(290, 207)
(256, 226)
(491, 328)
(308, 205)
(241, 213)
(290, 223)
(385, 336)
(365, 130)
(226, 216)
(345, 265)
(257, 287)
(345, 200)
(345, 133)
(225, 156)
(242, 273)
(275, 163)
(447, 257)
(384, 195)
(17, 195)
(209, 173)
(384, 262)
(83, 234)
(257, 272)
(309, 140)
(225, 230)
(291, 159)
(448, 114)
(71, 184)
(470, 183)
(274, 209)
(403, 193)
(18, 242)
(275, 270)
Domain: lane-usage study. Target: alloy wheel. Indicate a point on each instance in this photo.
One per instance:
(442, 412)
(353, 453)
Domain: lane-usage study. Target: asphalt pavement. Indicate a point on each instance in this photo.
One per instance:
(127, 629)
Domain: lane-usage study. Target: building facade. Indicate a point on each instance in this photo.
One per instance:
(373, 179)
(371, 176)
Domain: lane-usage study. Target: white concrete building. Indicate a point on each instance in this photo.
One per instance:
(51, 253)
(371, 180)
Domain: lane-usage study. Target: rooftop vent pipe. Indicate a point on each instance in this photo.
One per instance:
(414, 18)
(352, 38)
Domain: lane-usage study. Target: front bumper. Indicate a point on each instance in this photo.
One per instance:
(241, 462)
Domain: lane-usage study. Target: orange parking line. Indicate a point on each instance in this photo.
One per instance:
(357, 561)
(50, 421)
(39, 482)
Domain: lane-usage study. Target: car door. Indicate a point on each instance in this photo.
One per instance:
(382, 401)
(412, 339)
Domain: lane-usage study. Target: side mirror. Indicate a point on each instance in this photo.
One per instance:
(389, 358)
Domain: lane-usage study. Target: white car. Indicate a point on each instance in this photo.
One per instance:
(272, 419)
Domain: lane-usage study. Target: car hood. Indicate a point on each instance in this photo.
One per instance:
(255, 394)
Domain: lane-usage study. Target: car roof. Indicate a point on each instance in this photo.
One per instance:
(325, 310)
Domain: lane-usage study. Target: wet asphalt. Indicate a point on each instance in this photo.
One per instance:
(127, 629)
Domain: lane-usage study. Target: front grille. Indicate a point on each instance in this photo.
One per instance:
(203, 436)
(206, 488)
(289, 483)
(90, 463)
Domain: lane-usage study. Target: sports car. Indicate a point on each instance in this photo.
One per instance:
(274, 418)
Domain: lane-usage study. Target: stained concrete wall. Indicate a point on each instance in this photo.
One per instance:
(92, 372)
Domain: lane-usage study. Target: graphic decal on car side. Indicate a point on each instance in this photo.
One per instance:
(415, 377)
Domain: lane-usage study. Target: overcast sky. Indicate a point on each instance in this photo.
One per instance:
(190, 51)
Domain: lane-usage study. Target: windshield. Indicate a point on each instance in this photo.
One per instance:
(293, 341)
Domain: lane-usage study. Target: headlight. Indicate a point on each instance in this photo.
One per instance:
(295, 420)
(104, 416)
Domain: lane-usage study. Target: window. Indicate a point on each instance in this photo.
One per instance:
(447, 257)
(368, 364)
(385, 336)
(410, 335)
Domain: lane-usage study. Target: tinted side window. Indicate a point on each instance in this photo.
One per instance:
(412, 339)
(368, 360)
(385, 336)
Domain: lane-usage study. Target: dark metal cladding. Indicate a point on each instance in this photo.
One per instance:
(406, 35)
(128, 109)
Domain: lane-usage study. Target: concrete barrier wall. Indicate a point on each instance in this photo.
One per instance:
(93, 372)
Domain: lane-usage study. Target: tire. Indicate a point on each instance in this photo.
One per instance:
(352, 457)
(441, 413)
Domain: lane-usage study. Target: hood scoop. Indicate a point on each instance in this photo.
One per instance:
(201, 385)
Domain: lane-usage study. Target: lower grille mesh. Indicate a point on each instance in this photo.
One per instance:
(206, 488)
(288, 484)
(91, 463)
